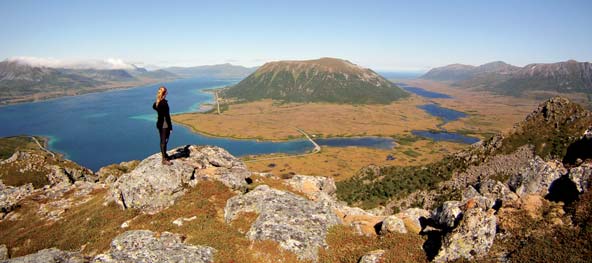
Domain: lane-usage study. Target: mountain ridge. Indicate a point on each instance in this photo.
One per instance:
(22, 82)
(564, 77)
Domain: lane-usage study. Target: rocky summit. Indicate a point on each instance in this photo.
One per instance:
(152, 186)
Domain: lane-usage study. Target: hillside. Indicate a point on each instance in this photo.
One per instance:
(20, 82)
(509, 198)
(322, 80)
(562, 77)
(221, 71)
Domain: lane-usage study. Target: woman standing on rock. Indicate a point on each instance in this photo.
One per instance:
(163, 122)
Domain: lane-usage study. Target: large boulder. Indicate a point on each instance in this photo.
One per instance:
(296, 223)
(145, 246)
(152, 186)
(50, 255)
(448, 215)
(537, 177)
(473, 236)
(413, 217)
(393, 224)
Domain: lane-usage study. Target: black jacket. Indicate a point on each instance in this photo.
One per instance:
(163, 114)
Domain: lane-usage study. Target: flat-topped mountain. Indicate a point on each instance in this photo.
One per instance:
(321, 80)
(563, 77)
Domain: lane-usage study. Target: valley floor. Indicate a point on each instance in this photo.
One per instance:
(276, 121)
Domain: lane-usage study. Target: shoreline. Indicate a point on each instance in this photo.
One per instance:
(92, 91)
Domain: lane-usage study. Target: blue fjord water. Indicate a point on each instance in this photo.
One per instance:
(110, 127)
(447, 115)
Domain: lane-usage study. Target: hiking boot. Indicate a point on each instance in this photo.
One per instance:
(166, 162)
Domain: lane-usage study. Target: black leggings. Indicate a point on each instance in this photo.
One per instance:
(164, 139)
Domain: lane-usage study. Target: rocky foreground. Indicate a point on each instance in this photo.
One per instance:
(296, 214)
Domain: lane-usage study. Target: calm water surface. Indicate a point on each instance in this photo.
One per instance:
(110, 127)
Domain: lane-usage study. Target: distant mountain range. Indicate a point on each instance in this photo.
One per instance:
(221, 71)
(20, 82)
(321, 80)
(563, 77)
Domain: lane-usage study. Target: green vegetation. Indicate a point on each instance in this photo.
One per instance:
(343, 82)
(370, 188)
(9, 145)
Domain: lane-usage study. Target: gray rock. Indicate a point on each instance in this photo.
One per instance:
(144, 246)
(537, 177)
(496, 190)
(152, 186)
(49, 255)
(392, 224)
(412, 217)
(472, 238)
(581, 176)
(448, 214)
(3, 252)
(10, 196)
(372, 256)
(296, 223)
(312, 185)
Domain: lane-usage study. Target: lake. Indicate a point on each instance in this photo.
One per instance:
(98, 129)
(445, 114)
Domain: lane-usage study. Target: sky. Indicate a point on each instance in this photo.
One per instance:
(382, 35)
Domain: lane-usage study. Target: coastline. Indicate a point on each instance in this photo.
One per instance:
(31, 99)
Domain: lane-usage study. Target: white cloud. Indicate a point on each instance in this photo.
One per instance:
(109, 63)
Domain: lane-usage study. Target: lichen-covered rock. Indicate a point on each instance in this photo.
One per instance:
(537, 177)
(448, 214)
(372, 256)
(581, 176)
(50, 255)
(392, 224)
(312, 185)
(152, 186)
(10, 196)
(473, 236)
(145, 246)
(413, 217)
(496, 190)
(296, 223)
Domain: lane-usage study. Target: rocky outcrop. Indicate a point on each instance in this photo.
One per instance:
(152, 186)
(10, 196)
(537, 177)
(110, 173)
(296, 223)
(50, 255)
(147, 246)
(372, 256)
(64, 174)
(581, 176)
(473, 236)
(448, 215)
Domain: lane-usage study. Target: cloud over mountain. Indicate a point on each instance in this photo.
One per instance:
(109, 63)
